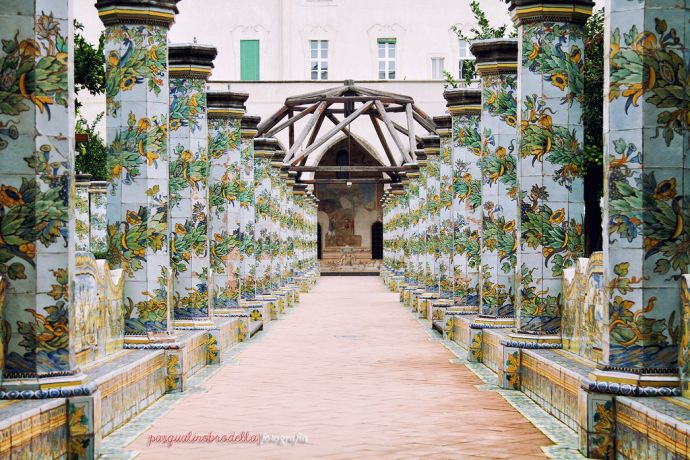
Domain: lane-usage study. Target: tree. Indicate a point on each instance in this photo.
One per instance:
(593, 121)
(89, 75)
(91, 155)
(89, 63)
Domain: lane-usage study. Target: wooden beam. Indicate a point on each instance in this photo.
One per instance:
(333, 131)
(303, 135)
(363, 180)
(410, 126)
(272, 121)
(291, 121)
(430, 128)
(291, 131)
(382, 139)
(381, 169)
(391, 129)
(428, 121)
(317, 128)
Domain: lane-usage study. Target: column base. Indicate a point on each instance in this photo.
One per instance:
(533, 341)
(492, 322)
(466, 309)
(152, 340)
(193, 323)
(424, 303)
(59, 386)
(620, 382)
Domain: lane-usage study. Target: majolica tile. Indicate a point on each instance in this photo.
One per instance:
(190, 67)
(496, 66)
(550, 138)
(37, 251)
(465, 108)
(138, 203)
(645, 169)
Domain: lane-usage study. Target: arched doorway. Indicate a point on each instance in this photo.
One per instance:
(373, 143)
(377, 241)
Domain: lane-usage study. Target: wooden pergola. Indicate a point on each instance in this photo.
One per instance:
(351, 102)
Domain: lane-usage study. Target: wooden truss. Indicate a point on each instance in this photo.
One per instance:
(351, 102)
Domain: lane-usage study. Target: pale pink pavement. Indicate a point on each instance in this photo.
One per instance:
(351, 370)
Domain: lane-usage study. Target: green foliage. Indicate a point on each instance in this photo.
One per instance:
(592, 106)
(91, 155)
(483, 30)
(89, 64)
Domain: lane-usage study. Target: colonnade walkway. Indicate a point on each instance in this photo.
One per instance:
(357, 376)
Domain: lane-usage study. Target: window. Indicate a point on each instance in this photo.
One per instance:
(249, 60)
(437, 68)
(319, 59)
(386, 58)
(465, 55)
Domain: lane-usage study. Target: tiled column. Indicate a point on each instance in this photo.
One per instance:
(98, 206)
(37, 174)
(137, 136)
(412, 231)
(496, 65)
(190, 68)
(227, 196)
(301, 226)
(433, 204)
(81, 213)
(248, 257)
(445, 211)
(552, 164)
(409, 294)
(464, 106)
(264, 149)
(646, 242)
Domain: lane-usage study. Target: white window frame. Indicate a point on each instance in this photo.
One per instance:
(464, 54)
(388, 59)
(320, 61)
(438, 65)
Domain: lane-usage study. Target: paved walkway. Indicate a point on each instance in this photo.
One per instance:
(354, 373)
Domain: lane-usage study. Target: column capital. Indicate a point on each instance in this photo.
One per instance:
(152, 12)
(432, 144)
(226, 104)
(190, 60)
(299, 189)
(530, 11)
(461, 101)
(421, 157)
(397, 189)
(265, 147)
(495, 56)
(443, 125)
(277, 159)
(250, 125)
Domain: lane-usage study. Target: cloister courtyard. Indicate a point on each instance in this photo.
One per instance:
(344, 230)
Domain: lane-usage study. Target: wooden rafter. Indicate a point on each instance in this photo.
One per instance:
(381, 169)
(364, 108)
(291, 120)
(382, 139)
(303, 135)
(410, 126)
(391, 129)
(272, 121)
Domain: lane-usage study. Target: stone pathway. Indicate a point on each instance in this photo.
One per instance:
(355, 376)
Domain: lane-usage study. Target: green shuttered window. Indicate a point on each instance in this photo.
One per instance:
(249, 60)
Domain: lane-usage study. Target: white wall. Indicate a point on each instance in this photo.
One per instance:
(284, 27)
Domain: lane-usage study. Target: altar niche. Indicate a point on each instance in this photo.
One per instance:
(347, 212)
